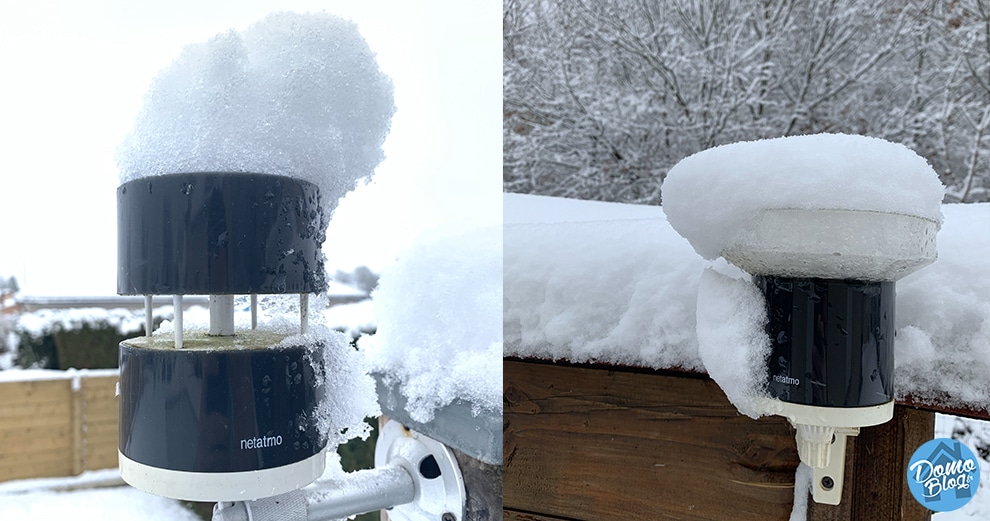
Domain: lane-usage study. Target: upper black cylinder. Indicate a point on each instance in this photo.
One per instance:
(832, 341)
(219, 233)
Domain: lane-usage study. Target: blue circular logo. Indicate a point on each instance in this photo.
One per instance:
(943, 474)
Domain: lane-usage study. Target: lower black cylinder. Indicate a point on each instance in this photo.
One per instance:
(215, 410)
(832, 341)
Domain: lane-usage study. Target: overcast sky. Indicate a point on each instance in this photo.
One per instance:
(73, 76)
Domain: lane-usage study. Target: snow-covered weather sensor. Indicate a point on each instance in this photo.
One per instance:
(220, 414)
(825, 223)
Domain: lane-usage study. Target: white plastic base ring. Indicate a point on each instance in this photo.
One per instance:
(831, 416)
(222, 486)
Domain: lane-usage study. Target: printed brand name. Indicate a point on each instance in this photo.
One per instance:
(953, 475)
(262, 442)
(943, 474)
(786, 380)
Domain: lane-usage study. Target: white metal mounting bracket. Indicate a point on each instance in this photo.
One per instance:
(826, 486)
(440, 494)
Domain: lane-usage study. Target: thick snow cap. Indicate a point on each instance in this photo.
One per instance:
(824, 205)
(299, 95)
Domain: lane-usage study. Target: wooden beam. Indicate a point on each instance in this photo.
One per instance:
(514, 515)
(585, 443)
(596, 443)
(930, 404)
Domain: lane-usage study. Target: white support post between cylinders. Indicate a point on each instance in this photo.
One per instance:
(221, 315)
(177, 313)
(149, 323)
(304, 313)
(254, 311)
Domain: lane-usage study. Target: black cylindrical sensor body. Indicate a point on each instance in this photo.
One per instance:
(220, 410)
(832, 341)
(219, 233)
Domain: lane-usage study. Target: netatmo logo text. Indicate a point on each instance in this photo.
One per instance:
(786, 380)
(262, 442)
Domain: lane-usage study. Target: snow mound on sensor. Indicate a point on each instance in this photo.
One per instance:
(439, 334)
(299, 95)
(709, 196)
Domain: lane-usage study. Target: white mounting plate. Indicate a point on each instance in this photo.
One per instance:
(440, 497)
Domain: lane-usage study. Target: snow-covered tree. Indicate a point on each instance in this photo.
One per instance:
(603, 96)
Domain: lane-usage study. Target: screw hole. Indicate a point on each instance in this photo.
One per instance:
(429, 468)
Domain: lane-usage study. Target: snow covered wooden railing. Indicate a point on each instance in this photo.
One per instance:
(57, 423)
(603, 301)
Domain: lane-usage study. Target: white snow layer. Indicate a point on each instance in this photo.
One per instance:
(731, 337)
(803, 477)
(943, 316)
(437, 309)
(710, 195)
(45, 321)
(101, 504)
(598, 282)
(299, 95)
(583, 285)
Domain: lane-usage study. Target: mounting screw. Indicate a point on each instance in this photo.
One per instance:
(447, 516)
(827, 483)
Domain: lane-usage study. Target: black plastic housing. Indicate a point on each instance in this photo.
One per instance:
(832, 341)
(201, 410)
(219, 233)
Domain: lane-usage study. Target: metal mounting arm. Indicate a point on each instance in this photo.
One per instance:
(417, 478)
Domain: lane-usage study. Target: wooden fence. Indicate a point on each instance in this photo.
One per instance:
(58, 425)
(589, 442)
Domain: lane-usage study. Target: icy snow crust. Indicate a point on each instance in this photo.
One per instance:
(584, 285)
(710, 196)
(437, 309)
(298, 95)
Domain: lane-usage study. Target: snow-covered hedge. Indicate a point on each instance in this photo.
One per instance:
(79, 337)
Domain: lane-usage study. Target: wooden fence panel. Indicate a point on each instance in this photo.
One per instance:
(57, 425)
(36, 432)
(101, 415)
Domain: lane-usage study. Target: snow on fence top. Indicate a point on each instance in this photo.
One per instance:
(710, 196)
(613, 283)
(299, 95)
(598, 282)
(437, 309)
